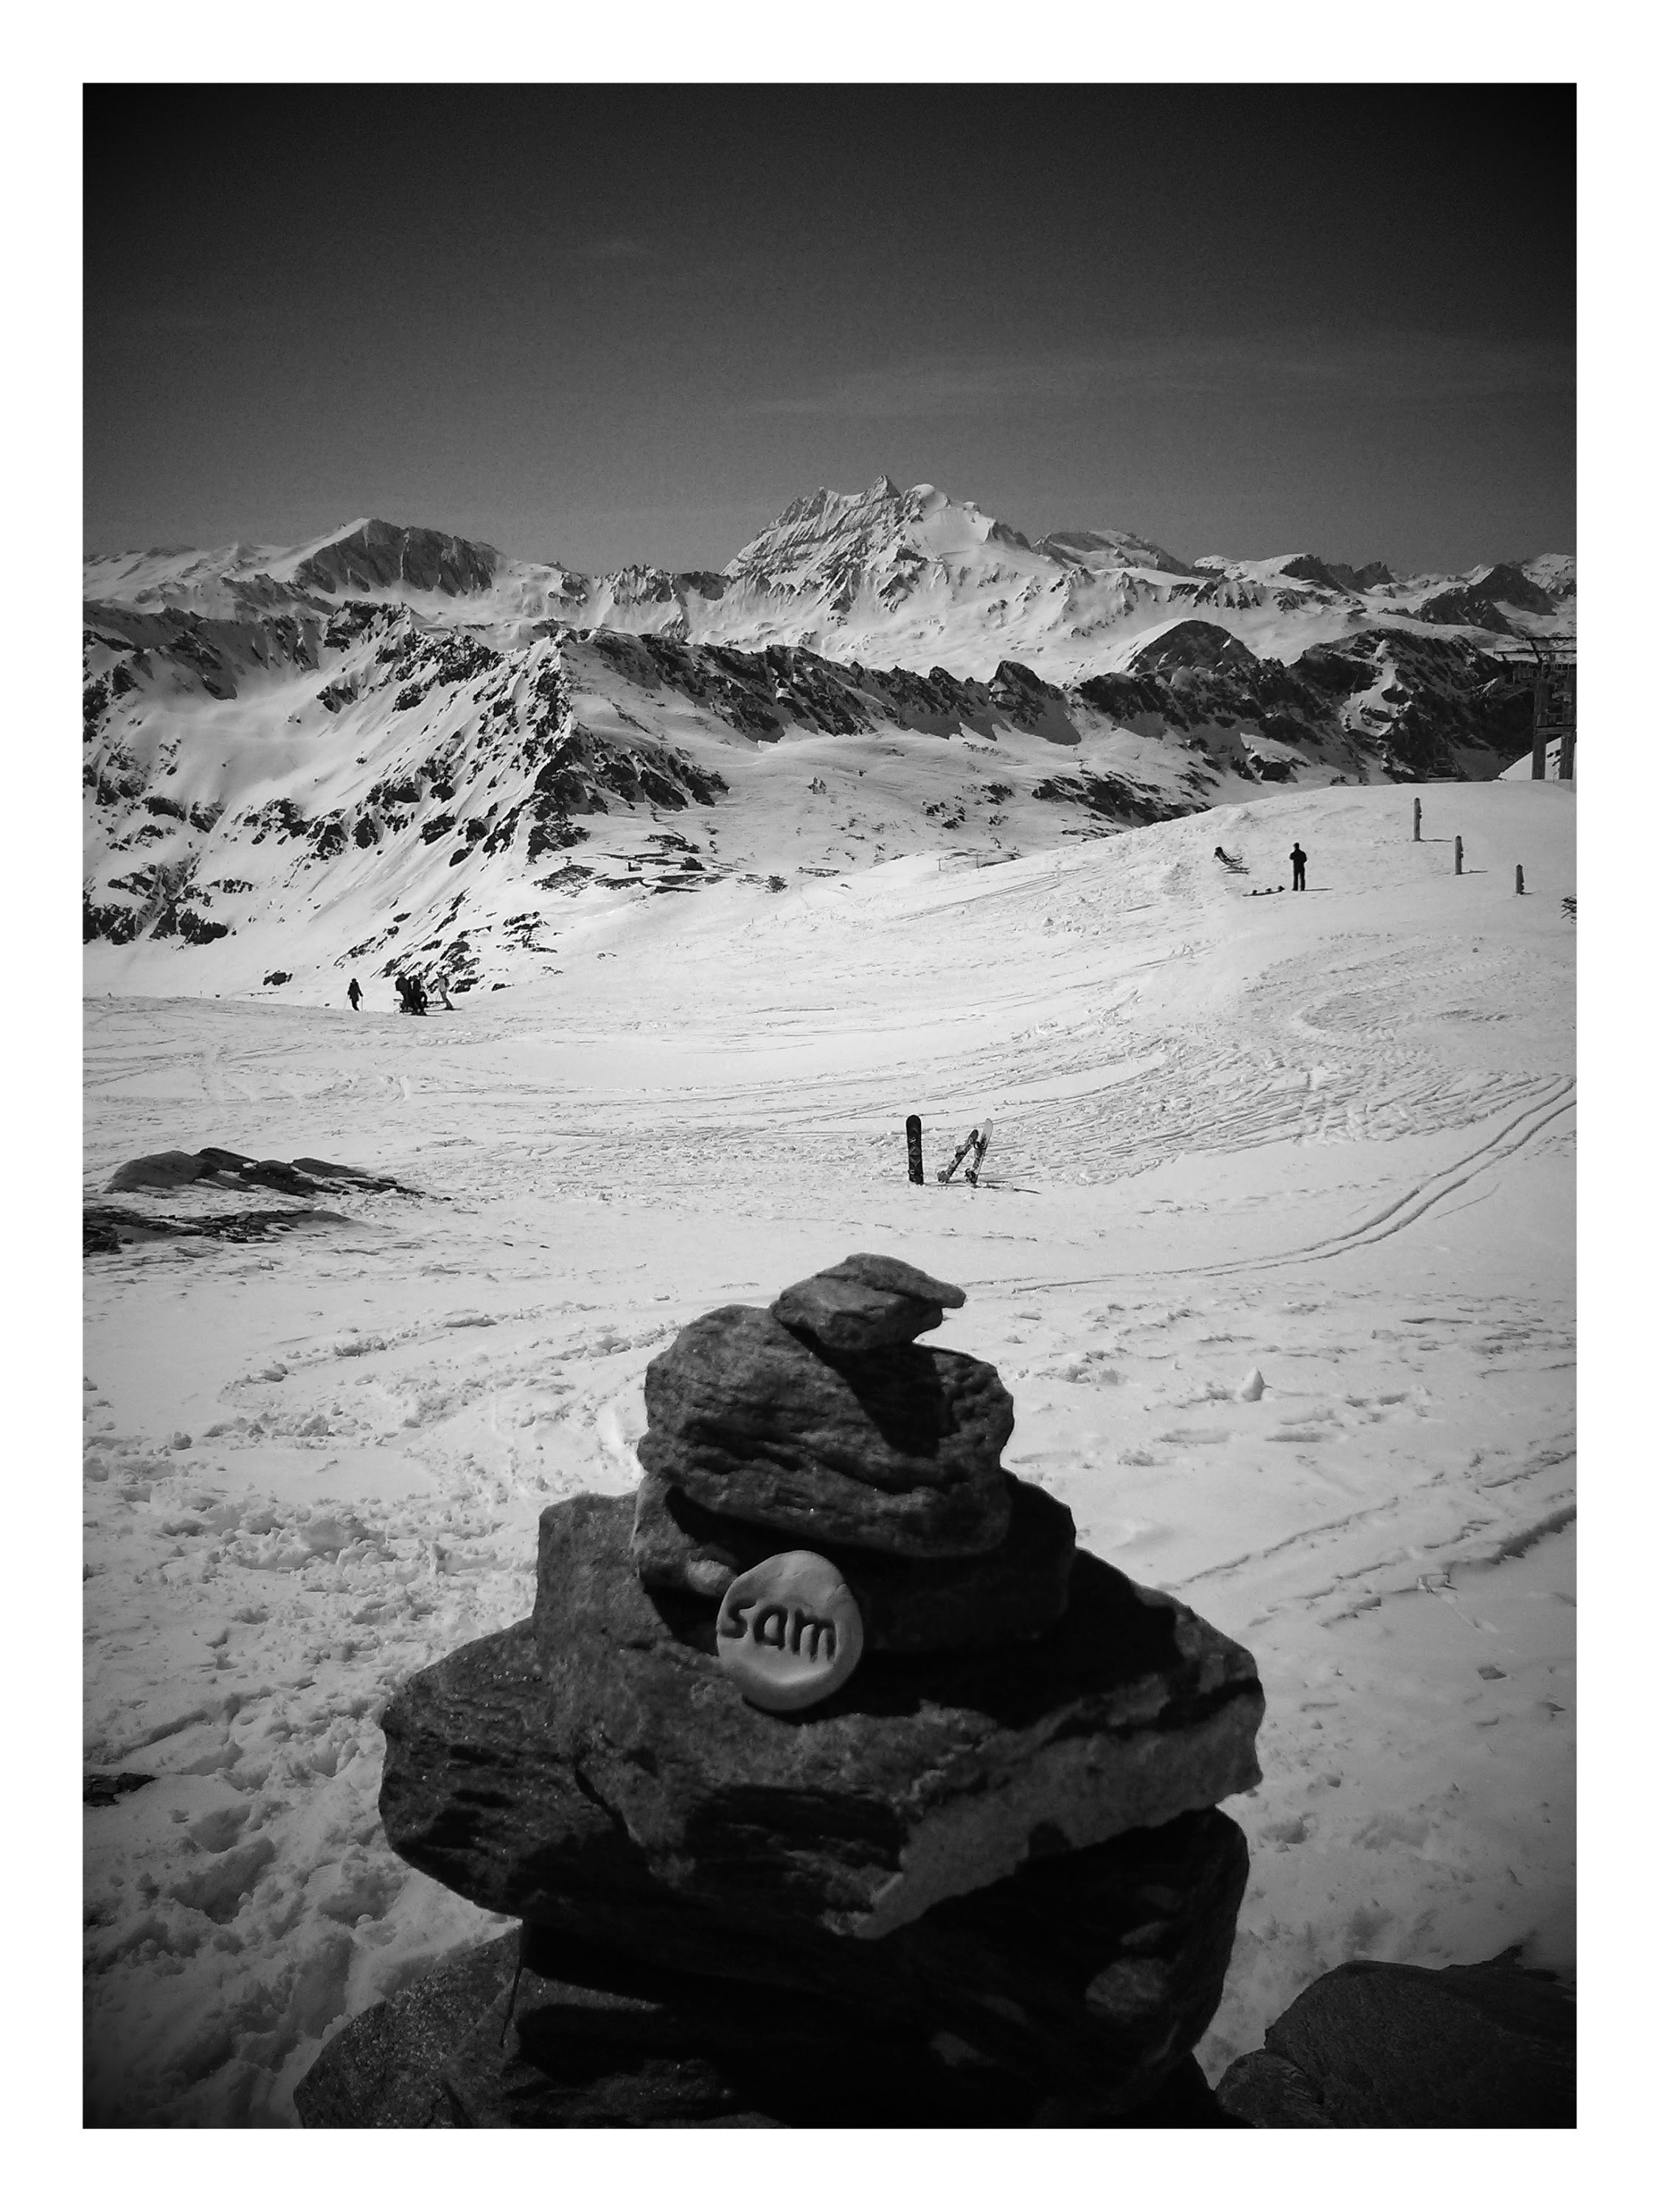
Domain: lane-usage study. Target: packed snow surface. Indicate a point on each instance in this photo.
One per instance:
(1324, 1138)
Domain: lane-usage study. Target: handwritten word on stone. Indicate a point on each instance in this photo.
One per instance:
(789, 1631)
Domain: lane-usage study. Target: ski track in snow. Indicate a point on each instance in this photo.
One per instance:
(1328, 1137)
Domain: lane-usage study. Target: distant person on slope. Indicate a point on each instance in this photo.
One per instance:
(354, 992)
(1298, 869)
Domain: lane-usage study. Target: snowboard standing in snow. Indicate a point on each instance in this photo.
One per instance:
(975, 1141)
(913, 1145)
(980, 1143)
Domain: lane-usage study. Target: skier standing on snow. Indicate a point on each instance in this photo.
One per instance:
(354, 992)
(1298, 868)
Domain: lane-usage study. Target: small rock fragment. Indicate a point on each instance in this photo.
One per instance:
(867, 1301)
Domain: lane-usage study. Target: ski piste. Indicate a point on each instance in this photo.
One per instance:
(975, 1141)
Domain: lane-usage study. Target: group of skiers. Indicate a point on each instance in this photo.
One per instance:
(412, 995)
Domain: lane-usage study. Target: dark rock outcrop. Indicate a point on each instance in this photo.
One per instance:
(158, 1171)
(302, 1178)
(1377, 2046)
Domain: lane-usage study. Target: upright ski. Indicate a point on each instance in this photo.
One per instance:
(913, 1145)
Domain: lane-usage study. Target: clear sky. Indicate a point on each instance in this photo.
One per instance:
(631, 323)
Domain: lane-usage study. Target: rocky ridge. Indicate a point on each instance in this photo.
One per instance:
(244, 775)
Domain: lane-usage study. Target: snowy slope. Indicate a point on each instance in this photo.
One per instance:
(1328, 1136)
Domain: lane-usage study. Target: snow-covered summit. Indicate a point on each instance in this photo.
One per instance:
(1111, 549)
(889, 577)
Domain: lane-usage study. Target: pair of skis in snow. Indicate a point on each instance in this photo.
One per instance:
(974, 1142)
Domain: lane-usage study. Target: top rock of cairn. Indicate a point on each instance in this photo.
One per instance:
(866, 1302)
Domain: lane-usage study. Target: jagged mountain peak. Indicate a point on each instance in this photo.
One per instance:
(824, 537)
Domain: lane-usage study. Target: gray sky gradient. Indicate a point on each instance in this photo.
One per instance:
(611, 323)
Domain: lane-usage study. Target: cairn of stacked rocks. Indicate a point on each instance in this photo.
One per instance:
(831, 1782)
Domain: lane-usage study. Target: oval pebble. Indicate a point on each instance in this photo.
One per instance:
(789, 1631)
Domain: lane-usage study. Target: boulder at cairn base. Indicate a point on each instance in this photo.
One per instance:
(866, 1302)
(1374, 2045)
(602, 1772)
(895, 1449)
(1064, 1996)
(906, 1605)
(1061, 1996)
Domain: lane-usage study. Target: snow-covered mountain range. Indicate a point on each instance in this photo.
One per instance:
(393, 747)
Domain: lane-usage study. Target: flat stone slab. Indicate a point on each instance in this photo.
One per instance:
(603, 1746)
(1001, 1596)
(895, 1449)
(865, 1301)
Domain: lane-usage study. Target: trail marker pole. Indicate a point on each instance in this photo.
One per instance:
(1520, 882)
(1457, 856)
(1417, 822)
